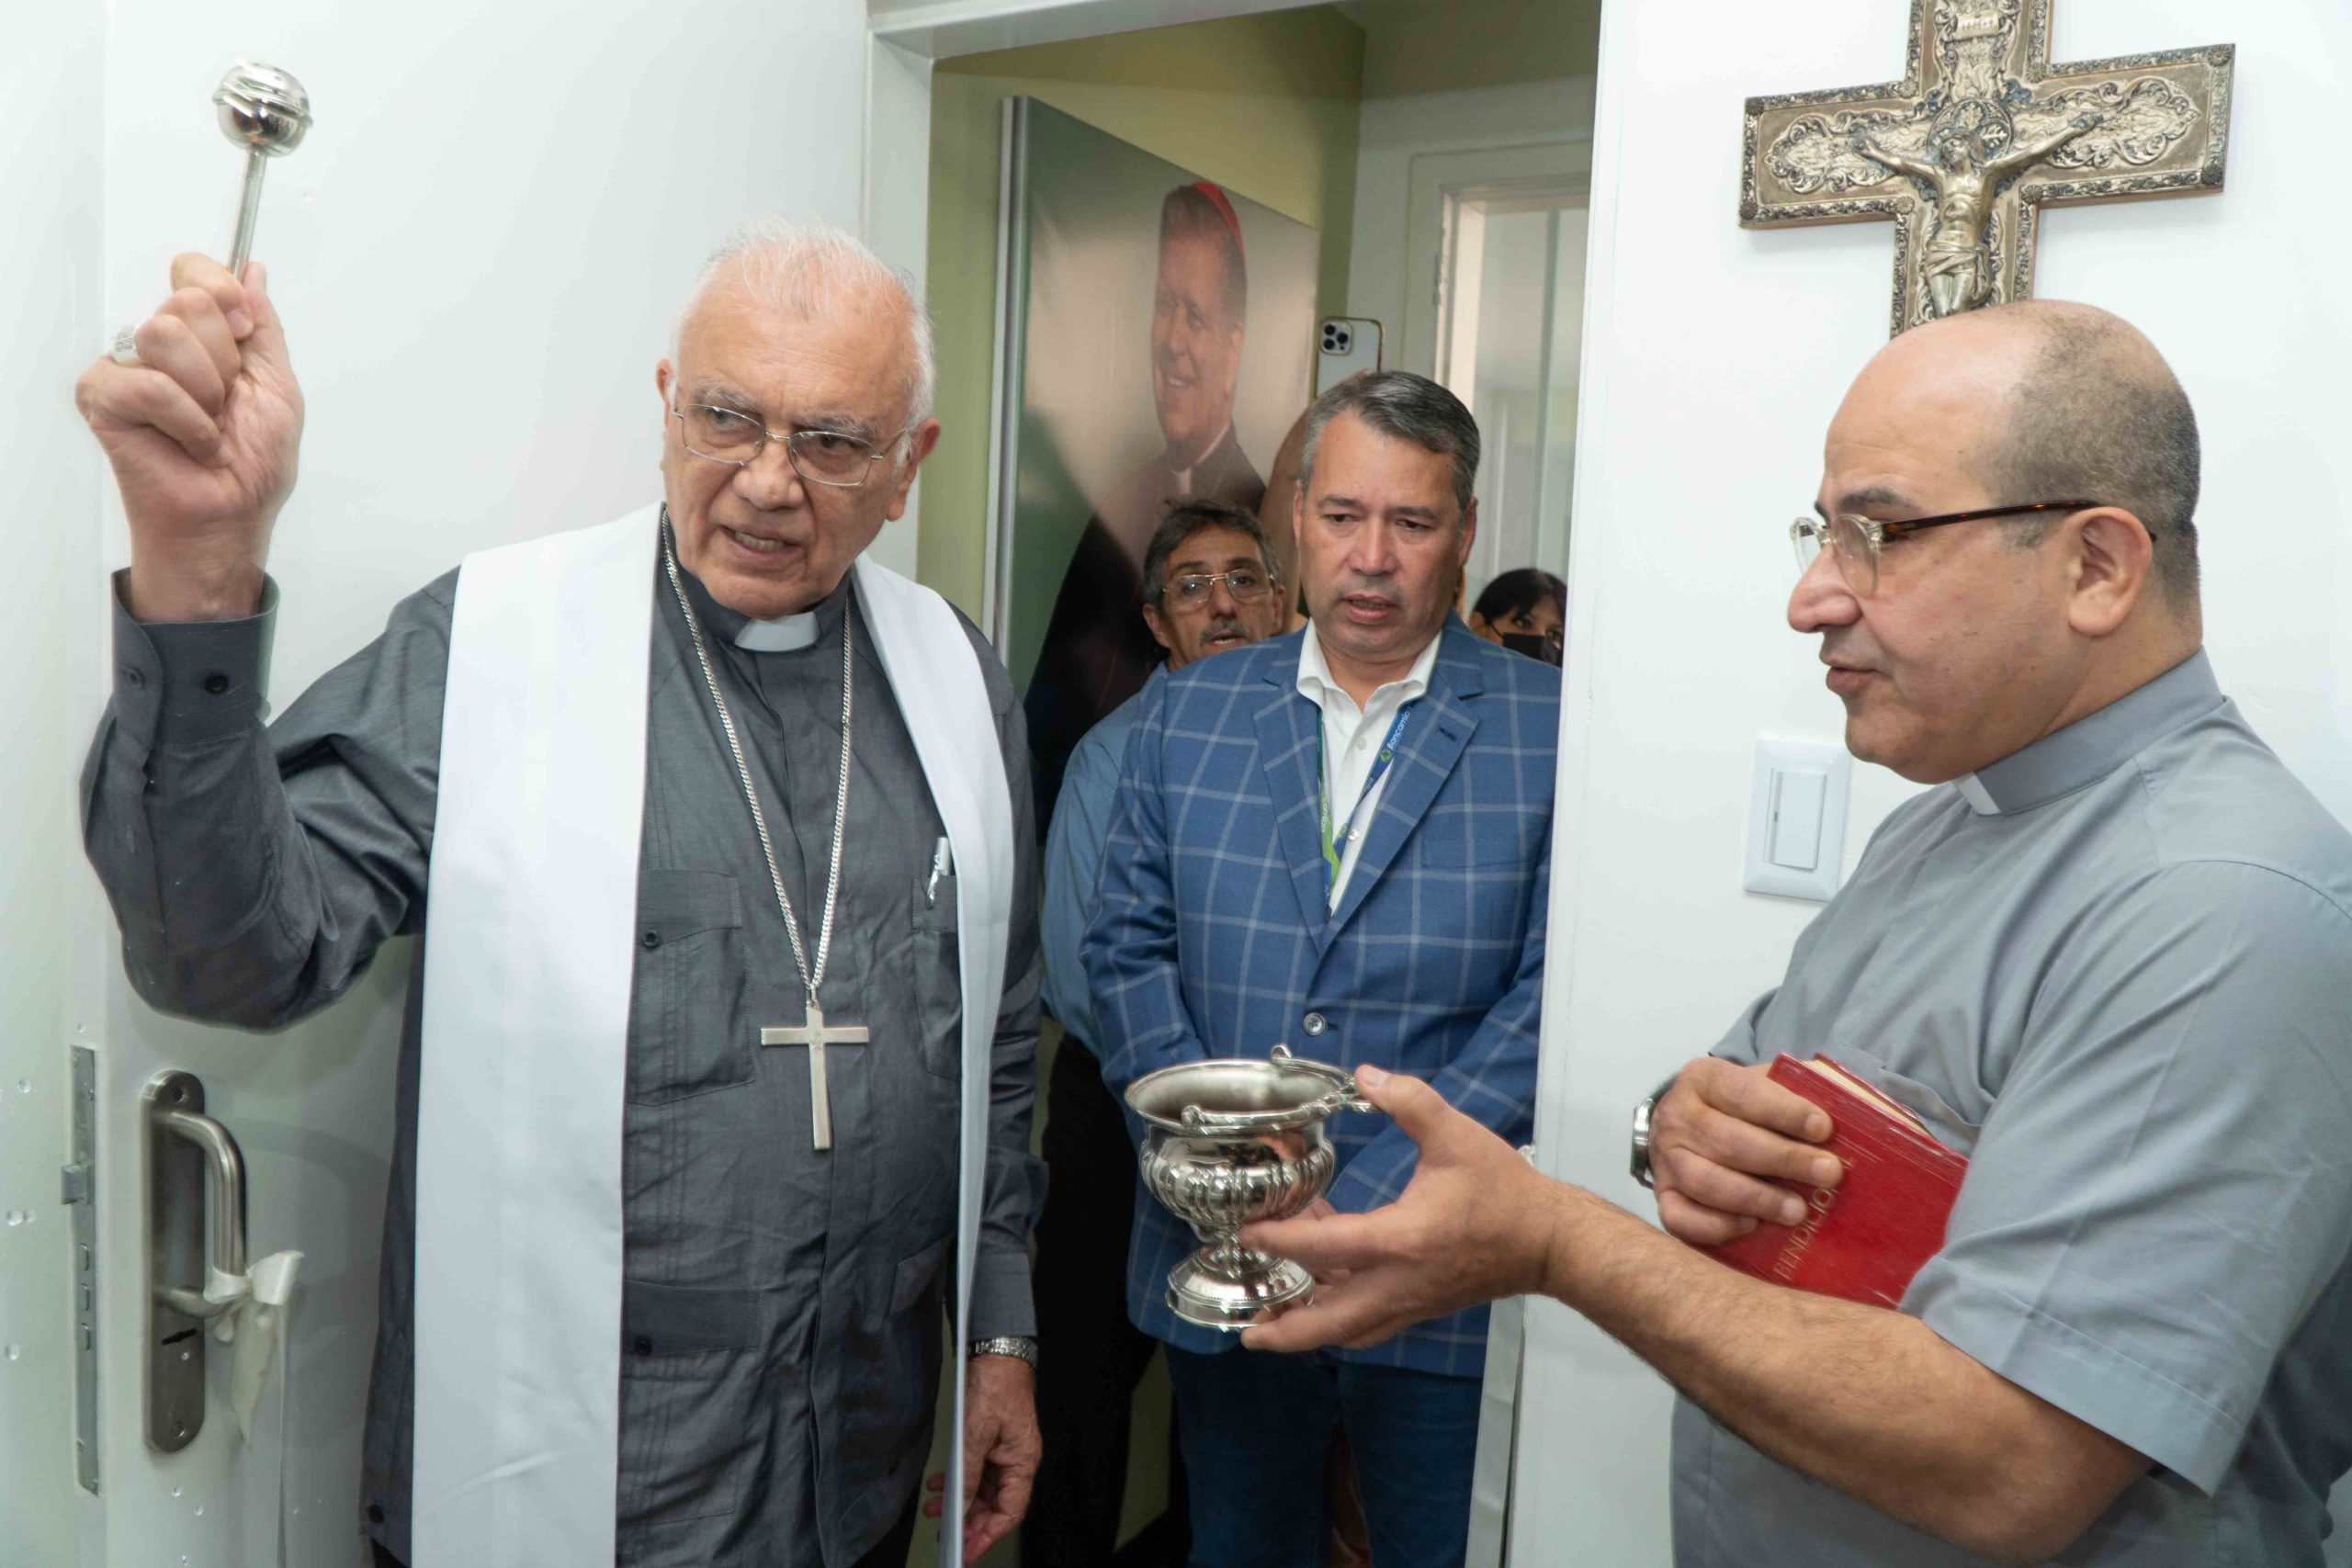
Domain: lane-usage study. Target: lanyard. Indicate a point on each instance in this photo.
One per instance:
(1323, 790)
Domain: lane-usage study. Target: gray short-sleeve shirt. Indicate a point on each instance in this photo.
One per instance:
(2115, 969)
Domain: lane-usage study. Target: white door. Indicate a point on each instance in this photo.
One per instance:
(477, 251)
(39, 1510)
(310, 1111)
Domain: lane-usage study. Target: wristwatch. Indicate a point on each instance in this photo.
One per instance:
(1642, 1114)
(1020, 1346)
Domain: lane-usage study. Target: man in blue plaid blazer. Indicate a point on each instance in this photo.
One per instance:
(1339, 839)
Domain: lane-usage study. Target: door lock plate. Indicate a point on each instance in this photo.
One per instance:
(81, 1193)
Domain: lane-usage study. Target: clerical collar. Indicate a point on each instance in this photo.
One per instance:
(1184, 476)
(2094, 745)
(787, 634)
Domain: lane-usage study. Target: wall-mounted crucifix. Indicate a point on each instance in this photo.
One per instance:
(1981, 133)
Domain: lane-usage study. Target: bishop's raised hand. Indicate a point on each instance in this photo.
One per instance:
(202, 434)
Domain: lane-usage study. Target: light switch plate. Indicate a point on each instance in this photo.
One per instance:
(1796, 819)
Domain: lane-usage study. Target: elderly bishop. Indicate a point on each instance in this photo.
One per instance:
(716, 1080)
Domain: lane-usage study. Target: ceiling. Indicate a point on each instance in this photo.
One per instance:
(1419, 46)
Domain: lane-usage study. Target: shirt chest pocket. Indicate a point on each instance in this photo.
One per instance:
(939, 985)
(685, 1033)
(1951, 1127)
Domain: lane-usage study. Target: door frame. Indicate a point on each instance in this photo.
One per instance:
(1441, 189)
(1438, 186)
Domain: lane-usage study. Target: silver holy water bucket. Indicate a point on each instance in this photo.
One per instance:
(1234, 1141)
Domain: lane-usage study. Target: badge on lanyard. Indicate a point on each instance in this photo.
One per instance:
(1323, 788)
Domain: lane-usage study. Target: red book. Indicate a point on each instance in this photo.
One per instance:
(1863, 1239)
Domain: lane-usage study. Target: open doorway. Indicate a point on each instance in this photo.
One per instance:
(1443, 162)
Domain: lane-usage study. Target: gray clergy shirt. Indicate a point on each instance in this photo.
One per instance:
(2114, 969)
(781, 1314)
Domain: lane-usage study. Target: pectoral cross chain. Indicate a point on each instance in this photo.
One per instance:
(812, 1033)
(816, 1036)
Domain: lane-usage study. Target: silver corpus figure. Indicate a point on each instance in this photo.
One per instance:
(266, 111)
(1971, 153)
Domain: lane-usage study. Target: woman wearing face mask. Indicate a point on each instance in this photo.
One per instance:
(1525, 611)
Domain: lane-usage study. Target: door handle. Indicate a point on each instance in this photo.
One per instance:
(196, 1248)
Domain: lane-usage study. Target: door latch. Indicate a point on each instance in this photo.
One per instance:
(196, 1238)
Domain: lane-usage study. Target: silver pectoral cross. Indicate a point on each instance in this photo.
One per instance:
(816, 1036)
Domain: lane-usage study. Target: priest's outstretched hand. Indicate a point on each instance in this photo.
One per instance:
(202, 431)
(1474, 1224)
(1000, 1452)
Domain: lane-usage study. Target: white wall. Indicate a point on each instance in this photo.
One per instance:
(1713, 358)
(477, 253)
(480, 247)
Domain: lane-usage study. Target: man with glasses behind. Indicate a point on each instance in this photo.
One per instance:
(2108, 957)
(719, 839)
(1209, 584)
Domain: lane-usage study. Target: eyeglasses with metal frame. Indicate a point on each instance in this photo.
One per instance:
(1855, 540)
(831, 458)
(1247, 584)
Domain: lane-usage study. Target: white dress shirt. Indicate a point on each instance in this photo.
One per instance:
(1351, 737)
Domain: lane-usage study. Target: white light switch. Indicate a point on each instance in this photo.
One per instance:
(1797, 823)
(1795, 826)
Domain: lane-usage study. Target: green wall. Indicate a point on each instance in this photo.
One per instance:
(1266, 106)
(1494, 44)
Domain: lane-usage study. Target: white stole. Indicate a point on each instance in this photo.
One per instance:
(529, 953)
